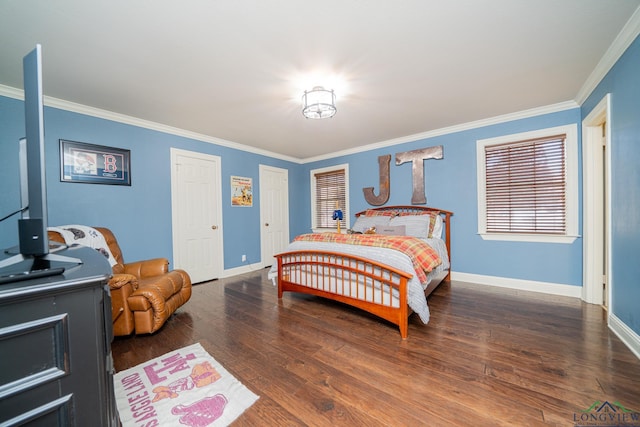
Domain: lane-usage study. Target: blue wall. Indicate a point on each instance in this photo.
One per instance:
(623, 82)
(139, 215)
(451, 184)
(11, 130)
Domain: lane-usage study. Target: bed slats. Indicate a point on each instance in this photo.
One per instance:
(360, 282)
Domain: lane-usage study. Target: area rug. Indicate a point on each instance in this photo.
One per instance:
(186, 387)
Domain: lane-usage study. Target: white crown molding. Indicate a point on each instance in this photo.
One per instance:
(121, 118)
(11, 92)
(627, 35)
(553, 108)
(519, 284)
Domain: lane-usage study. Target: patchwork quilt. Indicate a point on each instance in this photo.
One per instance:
(422, 255)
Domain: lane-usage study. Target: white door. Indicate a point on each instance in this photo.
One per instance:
(274, 212)
(196, 201)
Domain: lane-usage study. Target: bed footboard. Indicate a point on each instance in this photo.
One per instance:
(360, 282)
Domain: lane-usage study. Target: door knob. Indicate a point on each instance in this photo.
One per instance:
(266, 224)
(214, 227)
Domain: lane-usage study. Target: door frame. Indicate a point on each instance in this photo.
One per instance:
(175, 152)
(596, 220)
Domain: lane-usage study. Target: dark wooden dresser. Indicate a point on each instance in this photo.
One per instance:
(55, 347)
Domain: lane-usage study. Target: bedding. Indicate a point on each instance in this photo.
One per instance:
(389, 276)
(423, 257)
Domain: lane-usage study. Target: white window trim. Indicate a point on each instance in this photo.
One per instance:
(571, 195)
(312, 174)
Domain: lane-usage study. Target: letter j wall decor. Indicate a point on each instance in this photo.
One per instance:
(94, 164)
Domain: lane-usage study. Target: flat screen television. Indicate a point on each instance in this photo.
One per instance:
(33, 257)
(32, 228)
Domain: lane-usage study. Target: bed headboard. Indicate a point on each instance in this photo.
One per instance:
(407, 209)
(421, 210)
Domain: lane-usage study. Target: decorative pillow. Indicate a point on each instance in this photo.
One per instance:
(434, 219)
(364, 223)
(415, 225)
(390, 230)
(436, 231)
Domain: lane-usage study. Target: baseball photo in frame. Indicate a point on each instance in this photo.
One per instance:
(94, 164)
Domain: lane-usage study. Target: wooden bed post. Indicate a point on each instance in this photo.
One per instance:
(403, 319)
(447, 241)
(279, 258)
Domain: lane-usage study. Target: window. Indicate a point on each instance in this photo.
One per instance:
(527, 186)
(329, 191)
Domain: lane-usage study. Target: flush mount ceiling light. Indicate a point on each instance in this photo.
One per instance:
(318, 103)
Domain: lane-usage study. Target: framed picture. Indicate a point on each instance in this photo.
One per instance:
(94, 164)
(241, 191)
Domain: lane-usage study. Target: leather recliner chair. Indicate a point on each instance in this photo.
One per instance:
(144, 294)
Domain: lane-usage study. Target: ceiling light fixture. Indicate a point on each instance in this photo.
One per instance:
(318, 103)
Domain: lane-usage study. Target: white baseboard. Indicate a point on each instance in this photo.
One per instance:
(519, 284)
(626, 334)
(617, 326)
(241, 270)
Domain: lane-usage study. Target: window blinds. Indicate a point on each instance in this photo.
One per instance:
(525, 186)
(330, 195)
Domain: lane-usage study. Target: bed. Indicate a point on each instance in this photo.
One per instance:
(388, 273)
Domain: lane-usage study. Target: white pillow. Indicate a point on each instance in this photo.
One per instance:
(363, 223)
(437, 228)
(415, 225)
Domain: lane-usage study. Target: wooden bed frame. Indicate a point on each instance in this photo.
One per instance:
(306, 271)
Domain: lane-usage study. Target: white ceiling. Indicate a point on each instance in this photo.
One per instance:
(235, 70)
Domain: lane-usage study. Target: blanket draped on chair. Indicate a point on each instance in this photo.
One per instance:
(85, 236)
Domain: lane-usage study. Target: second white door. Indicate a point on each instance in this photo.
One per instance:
(197, 214)
(274, 212)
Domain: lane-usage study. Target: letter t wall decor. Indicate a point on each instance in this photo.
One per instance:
(417, 158)
(417, 170)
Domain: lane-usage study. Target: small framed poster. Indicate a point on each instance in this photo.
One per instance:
(94, 164)
(241, 191)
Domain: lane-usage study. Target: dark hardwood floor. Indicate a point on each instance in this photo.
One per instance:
(488, 357)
